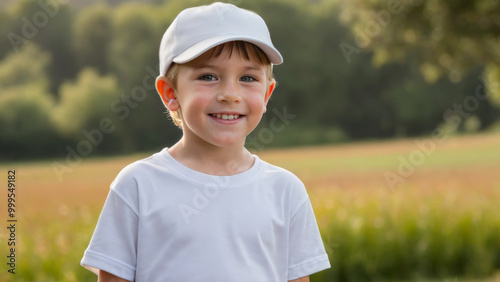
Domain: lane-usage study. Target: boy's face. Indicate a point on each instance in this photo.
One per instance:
(222, 99)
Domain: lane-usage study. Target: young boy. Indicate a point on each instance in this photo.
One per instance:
(206, 209)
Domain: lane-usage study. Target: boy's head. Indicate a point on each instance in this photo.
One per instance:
(207, 32)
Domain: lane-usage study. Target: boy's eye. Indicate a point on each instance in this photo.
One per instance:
(207, 77)
(247, 78)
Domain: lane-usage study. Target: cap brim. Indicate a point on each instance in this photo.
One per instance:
(201, 47)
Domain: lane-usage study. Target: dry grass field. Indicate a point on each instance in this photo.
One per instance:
(441, 220)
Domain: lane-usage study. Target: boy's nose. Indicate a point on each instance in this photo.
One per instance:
(229, 92)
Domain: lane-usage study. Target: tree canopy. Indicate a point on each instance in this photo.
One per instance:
(352, 70)
(442, 37)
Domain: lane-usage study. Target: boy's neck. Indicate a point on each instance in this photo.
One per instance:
(212, 160)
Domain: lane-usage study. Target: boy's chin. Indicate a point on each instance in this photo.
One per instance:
(228, 142)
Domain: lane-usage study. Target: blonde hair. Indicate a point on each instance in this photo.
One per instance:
(245, 49)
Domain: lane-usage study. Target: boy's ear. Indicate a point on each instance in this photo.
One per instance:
(270, 91)
(167, 93)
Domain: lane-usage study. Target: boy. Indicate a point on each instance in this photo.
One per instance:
(206, 209)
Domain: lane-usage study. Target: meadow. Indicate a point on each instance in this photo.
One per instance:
(439, 222)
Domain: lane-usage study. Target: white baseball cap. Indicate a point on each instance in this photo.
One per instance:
(196, 30)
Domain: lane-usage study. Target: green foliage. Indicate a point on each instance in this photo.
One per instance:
(91, 35)
(296, 87)
(51, 252)
(137, 31)
(85, 102)
(28, 66)
(444, 37)
(418, 105)
(382, 239)
(50, 28)
(135, 40)
(25, 104)
(5, 28)
(25, 121)
(492, 75)
(375, 92)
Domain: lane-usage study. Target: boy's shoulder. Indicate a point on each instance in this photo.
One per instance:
(281, 178)
(274, 171)
(128, 179)
(142, 166)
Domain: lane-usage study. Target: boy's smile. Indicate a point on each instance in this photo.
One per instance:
(222, 99)
(226, 116)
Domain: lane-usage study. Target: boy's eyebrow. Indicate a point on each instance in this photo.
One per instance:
(206, 65)
(203, 65)
(255, 67)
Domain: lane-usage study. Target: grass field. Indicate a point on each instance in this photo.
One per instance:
(439, 222)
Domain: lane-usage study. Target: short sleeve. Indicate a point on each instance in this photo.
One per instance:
(113, 246)
(307, 253)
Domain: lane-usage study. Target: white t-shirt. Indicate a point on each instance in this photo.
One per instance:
(163, 221)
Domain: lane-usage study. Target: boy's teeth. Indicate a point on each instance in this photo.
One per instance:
(226, 117)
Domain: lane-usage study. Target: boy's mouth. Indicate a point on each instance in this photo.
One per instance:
(226, 116)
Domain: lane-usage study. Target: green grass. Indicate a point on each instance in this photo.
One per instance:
(441, 224)
(411, 235)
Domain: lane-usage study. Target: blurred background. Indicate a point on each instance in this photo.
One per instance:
(389, 111)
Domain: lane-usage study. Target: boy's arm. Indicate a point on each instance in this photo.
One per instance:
(108, 277)
(302, 279)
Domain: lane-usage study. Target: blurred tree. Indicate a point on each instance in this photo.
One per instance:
(300, 78)
(443, 37)
(5, 28)
(49, 25)
(317, 85)
(25, 122)
(25, 67)
(420, 107)
(91, 36)
(26, 105)
(135, 42)
(333, 96)
(86, 104)
(137, 31)
(492, 80)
